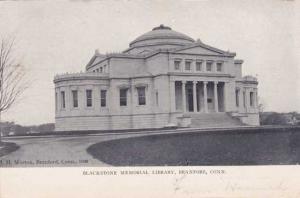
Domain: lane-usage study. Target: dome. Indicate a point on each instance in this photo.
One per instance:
(161, 35)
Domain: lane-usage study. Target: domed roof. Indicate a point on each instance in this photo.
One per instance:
(162, 35)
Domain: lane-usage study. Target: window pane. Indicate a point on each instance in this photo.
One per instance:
(156, 98)
(89, 98)
(208, 66)
(198, 66)
(219, 67)
(237, 98)
(103, 98)
(244, 98)
(251, 99)
(63, 99)
(177, 65)
(141, 95)
(123, 97)
(75, 98)
(187, 65)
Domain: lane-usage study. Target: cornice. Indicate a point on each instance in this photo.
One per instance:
(80, 76)
(200, 74)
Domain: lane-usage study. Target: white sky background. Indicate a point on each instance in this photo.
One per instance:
(61, 36)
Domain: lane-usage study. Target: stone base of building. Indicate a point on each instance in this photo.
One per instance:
(115, 122)
(144, 121)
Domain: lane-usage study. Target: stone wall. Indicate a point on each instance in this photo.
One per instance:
(114, 122)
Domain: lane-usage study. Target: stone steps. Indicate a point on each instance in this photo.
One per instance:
(214, 120)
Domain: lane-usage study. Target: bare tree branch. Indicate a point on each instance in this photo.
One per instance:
(12, 75)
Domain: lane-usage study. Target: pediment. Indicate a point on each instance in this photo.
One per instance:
(95, 59)
(198, 50)
(202, 49)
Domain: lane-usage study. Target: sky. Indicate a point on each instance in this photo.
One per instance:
(54, 37)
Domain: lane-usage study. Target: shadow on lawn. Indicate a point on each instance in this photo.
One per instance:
(251, 147)
(7, 147)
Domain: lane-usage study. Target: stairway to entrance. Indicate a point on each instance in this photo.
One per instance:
(214, 120)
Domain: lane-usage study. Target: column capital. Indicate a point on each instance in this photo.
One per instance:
(216, 82)
(183, 81)
(205, 82)
(195, 81)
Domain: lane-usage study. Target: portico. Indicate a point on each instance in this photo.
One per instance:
(199, 96)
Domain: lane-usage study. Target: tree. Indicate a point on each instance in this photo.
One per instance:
(12, 75)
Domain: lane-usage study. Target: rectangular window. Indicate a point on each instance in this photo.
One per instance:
(103, 98)
(104, 68)
(219, 67)
(198, 66)
(251, 99)
(244, 99)
(208, 66)
(75, 98)
(56, 100)
(177, 65)
(89, 100)
(237, 100)
(63, 99)
(141, 95)
(123, 97)
(101, 69)
(188, 65)
(156, 94)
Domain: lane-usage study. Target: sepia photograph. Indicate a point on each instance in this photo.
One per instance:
(119, 87)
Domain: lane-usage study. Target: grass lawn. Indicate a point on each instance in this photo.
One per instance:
(250, 147)
(7, 147)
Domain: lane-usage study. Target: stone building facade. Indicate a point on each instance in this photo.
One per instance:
(164, 78)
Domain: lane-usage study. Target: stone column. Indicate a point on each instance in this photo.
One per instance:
(225, 100)
(255, 99)
(216, 96)
(193, 66)
(246, 100)
(172, 96)
(205, 96)
(194, 96)
(56, 99)
(200, 106)
(183, 97)
(131, 102)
